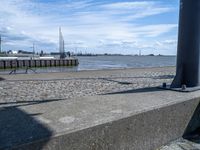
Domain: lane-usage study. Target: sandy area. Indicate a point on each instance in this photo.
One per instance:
(34, 87)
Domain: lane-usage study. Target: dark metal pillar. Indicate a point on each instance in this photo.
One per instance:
(0, 43)
(188, 54)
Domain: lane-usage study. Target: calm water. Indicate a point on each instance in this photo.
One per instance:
(114, 62)
(110, 62)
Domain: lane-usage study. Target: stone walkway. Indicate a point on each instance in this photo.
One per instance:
(40, 87)
(20, 88)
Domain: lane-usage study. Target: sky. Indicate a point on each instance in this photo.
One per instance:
(92, 26)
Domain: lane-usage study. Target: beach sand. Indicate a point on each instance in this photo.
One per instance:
(50, 86)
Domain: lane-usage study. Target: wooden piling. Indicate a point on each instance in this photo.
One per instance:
(7, 64)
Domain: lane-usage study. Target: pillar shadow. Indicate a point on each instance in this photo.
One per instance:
(141, 90)
(164, 77)
(119, 82)
(192, 132)
(1, 79)
(26, 103)
(19, 128)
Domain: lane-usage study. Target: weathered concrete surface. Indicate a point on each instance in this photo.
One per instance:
(181, 144)
(137, 120)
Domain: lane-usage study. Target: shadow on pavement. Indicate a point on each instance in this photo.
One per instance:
(164, 77)
(127, 83)
(119, 82)
(17, 128)
(192, 132)
(1, 79)
(26, 103)
(141, 90)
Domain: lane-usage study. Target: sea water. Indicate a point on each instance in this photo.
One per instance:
(108, 62)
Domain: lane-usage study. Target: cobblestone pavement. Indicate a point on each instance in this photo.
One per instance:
(79, 84)
(181, 144)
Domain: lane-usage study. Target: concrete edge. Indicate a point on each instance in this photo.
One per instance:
(145, 130)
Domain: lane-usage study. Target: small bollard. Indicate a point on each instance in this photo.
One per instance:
(183, 87)
(164, 85)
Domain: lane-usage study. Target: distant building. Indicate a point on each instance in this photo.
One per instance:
(150, 55)
(41, 53)
(54, 53)
(58, 54)
(9, 51)
(12, 52)
(24, 52)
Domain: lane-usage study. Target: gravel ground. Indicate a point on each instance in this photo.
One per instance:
(34, 87)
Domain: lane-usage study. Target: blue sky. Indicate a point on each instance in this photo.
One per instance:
(94, 26)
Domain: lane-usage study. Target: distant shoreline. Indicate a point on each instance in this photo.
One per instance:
(125, 55)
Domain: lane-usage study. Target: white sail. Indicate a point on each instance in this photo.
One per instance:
(61, 44)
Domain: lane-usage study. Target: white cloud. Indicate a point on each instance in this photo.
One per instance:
(84, 24)
(129, 5)
(154, 30)
(137, 9)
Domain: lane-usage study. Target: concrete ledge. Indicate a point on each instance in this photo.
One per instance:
(141, 120)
